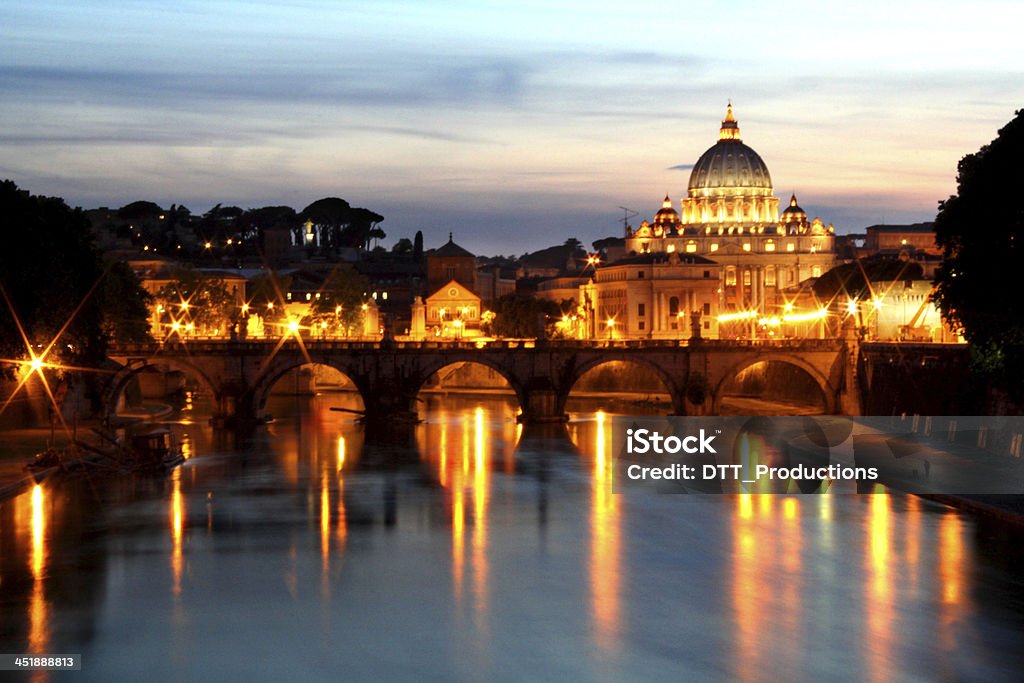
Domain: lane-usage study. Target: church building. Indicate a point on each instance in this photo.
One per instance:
(730, 220)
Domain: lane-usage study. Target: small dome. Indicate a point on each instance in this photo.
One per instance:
(794, 208)
(667, 216)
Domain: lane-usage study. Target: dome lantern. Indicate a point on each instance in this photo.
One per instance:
(730, 128)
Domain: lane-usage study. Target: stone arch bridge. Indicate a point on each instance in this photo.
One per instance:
(389, 375)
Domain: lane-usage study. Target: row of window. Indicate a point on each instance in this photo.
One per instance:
(770, 279)
(673, 308)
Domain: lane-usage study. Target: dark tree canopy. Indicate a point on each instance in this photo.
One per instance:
(140, 211)
(524, 317)
(981, 232)
(48, 266)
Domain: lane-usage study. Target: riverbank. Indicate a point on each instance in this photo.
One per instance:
(1007, 509)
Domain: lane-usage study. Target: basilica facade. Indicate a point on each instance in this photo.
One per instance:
(729, 222)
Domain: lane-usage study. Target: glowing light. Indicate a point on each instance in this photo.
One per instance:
(245, 308)
(177, 529)
(804, 317)
(851, 306)
(740, 315)
(36, 364)
(38, 532)
(293, 326)
(184, 306)
(610, 322)
(877, 303)
(207, 245)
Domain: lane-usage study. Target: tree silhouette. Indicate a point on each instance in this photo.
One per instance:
(981, 232)
(48, 265)
(417, 245)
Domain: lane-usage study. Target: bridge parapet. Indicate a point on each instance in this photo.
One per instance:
(389, 374)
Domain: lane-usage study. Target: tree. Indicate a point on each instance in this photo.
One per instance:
(124, 304)
(268, 288)
(49, 267)
(981, 232)
(403, 247)
(195, 303)
(330, 217)
(340, 305)
(524, 317)
(417, 245)
(255, 222)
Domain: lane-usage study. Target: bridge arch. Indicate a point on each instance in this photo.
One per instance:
(829, 392)
(120, 380)
(671, 384)
(431, 368)
(263, 386)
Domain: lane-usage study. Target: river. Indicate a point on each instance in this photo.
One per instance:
(474, 552)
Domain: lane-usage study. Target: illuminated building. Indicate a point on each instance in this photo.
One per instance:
(453, 308)
(655, 295)
(731, 216)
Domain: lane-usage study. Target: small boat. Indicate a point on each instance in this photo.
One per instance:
(152, 451)
(155, 450)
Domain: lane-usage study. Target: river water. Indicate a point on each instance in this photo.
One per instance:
(474, 552)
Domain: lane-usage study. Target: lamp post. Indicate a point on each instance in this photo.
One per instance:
(610, 323)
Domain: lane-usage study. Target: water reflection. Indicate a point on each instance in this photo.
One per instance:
(604, 533)
(456, 579)
(39, 626)
(177, 529)
(878, 608)
(463, 473)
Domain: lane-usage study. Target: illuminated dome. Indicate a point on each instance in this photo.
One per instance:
(729, 186)
(794, 219)
(666, 219)
(729, 163)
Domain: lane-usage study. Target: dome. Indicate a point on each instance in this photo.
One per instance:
(730, 163)
(794, 209)
(667, 216)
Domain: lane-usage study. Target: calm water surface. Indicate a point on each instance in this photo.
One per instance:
(468, 550)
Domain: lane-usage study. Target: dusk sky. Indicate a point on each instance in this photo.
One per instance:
(513, 128)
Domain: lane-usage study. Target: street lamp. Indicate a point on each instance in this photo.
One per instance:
(610, 323)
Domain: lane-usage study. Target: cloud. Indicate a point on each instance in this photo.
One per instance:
(394, 82)
(681, 167)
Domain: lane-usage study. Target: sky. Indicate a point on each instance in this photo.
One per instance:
(514, 127)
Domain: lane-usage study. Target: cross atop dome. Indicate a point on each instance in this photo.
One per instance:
(730, 128)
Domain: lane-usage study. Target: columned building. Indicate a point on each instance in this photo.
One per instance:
(730, 215)
(655, 296)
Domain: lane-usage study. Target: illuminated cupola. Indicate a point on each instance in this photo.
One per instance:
(730, 128)
(730, 187)
(794, 219)
(666, 221)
